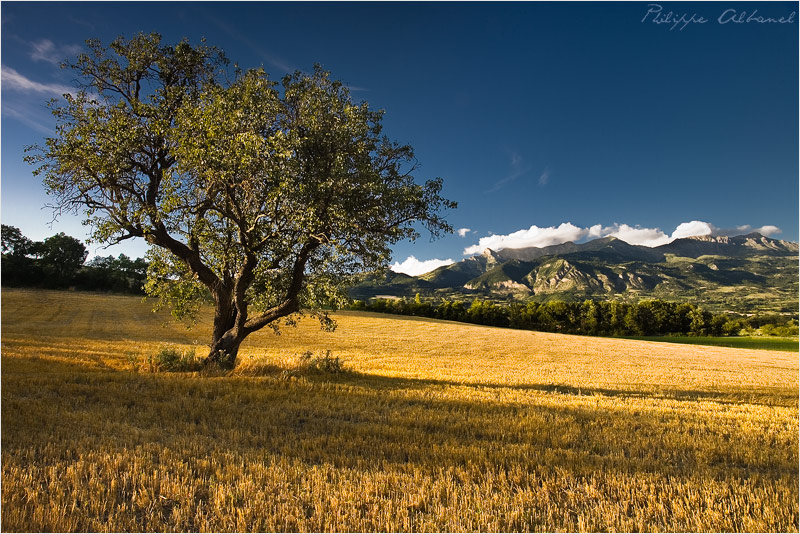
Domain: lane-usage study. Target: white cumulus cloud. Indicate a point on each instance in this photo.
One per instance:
(414, 267)
(532, 237)
(768, 230)
(462, 232)
(692, 228)
(634, 235)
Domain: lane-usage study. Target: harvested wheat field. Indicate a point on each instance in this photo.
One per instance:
(433, 426)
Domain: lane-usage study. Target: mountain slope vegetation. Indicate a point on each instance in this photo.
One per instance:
(744, 274)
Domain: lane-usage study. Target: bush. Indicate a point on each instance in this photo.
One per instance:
(322, 364)
(732, 327)
(783, 330)
(168, 359)
(291, 367)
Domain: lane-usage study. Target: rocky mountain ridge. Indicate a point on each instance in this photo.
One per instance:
(741, 273)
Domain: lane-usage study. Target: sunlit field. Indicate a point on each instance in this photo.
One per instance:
(788, 344)
(435, 426)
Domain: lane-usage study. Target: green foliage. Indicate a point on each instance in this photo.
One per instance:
(60, 256)
(309, 363)
(52, 263)
(601, 318)
(270, 200)
(731, 327)
(58, 263)
(322, 364)
(107, 273)
(14, 243)
(781, 330)
(167, 359)
(747, 275)
(17, 267)
(172, 286)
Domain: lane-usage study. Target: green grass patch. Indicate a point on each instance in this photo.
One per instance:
(787, 344)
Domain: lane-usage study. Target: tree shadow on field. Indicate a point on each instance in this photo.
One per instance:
(737, 395)
(367, 422)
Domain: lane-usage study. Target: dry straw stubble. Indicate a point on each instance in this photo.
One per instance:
(434, 426)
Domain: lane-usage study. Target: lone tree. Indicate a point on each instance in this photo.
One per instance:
(60, 256)
(270, 196)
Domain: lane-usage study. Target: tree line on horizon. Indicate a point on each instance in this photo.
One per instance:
(591, 317)
(59, 262)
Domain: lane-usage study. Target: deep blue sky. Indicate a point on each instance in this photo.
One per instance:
(534, 114)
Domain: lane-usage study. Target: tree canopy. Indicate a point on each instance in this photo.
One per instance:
(53, 262)
(268, 195)
(62, 255)
(14, 243)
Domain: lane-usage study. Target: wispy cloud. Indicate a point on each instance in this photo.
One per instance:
(82, 22)
(46, 50)
(270, 58)
(634, 235)
(414, 267)
(766, 230)
(13, 80)
(462, 232)
(517, 168)
(27, 119)
(544, 178)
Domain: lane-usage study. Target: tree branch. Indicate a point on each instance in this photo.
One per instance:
(190, 257)
(291, 302)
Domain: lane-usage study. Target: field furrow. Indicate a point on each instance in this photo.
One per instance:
(434, 426)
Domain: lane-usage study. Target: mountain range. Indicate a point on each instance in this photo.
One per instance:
(745, 274)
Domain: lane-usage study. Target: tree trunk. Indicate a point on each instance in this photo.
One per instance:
(224, 351)
(230, 329)
(226, 338)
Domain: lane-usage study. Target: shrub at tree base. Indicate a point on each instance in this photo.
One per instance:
(167, 359)
(322, 364)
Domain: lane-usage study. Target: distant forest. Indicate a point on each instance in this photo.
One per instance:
(593, 318)
(59, 262)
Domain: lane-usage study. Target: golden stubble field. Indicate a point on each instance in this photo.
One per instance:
(437, 426)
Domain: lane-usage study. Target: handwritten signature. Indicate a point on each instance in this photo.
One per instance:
(656, 15)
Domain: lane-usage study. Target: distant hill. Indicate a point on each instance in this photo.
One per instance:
(746, 274)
